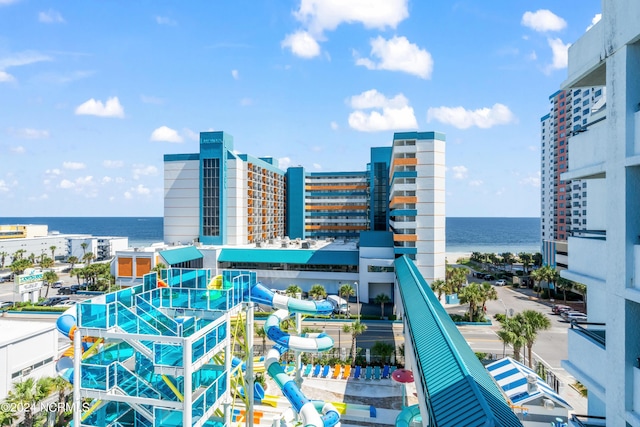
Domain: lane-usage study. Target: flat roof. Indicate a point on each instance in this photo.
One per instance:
(14, 330)
(180, 255)
(324, 256)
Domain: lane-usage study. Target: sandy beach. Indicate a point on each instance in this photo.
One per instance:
(453, 257)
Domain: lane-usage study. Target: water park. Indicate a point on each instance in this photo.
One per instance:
(175, 351)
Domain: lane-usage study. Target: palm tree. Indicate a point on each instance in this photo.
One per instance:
(73, 260)
(293, 290)
(76, 272)
(7, 416)
(472, 295)
(32, 258)
(61, 386)
(534, 321)
(488, 293)
(512, 334)
(46, 262)
(537, 276)
(88, 257)
(49, 277)
(582, 290)
(456, 277)
(355, 328)
(20, 265)
(439, 287)
(537, 259)
(563, 286)
(318, 292)
(476, 256)
(53, 252)
(345, 292)
(526, 260)
(29, 394)
(507, 259)
(3, 256)
(159, 266)
(262, 334)
(84, 246)
(18, 254)
(382, 299)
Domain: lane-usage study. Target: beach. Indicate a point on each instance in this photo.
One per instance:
(453, 257)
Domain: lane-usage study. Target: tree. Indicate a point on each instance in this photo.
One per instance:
(32, 258)
(582, 290)
(472, 295)
(20, 265)
(439, 287)
(73, 260)
(526, 259)
(537, 276)
(317, 292)
(345, 292)
(3, 256)
(29, 394)
(382, 299)
(61, 386)
(355, 328)
(384, 350)
(53, 252)
(508, 259)
(293, 290)
(537, 259)
(84, 246)
(7, 416)
(488, 292)
(563, 286)
(476, 256)
(49, 277)
(88, 257)
(511, 333)
(262, 334)
(533, 322)
(46, 262)
(456, 277)
(18, 254)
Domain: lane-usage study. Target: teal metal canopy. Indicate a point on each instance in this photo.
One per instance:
(289, 256)
(458, 389)
(180, 255)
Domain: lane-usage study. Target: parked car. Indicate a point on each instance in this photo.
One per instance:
(57, 284)
(67, 303)
(574, 315)
(489, 277)
(50, 302)
(5, 304)
(559, 308)
(66, 291)
(76, 288)
(501, 282)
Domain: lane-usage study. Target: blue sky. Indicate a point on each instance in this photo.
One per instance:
(94, 93)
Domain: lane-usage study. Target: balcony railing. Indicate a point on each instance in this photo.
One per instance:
(595, 331)
(590, 234)
(588, 420)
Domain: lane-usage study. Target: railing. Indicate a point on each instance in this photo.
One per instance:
(158, 319)
(588, 420)
(590, 234)
(597, 335)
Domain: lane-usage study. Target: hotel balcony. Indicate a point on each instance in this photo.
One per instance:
(587, 421)
(586, 343)
(588, 160)
(585, 248)
(586, 60)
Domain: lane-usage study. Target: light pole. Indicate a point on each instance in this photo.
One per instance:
(506, 316)
(358, 298)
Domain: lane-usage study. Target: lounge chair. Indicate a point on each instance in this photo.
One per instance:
(307, 370)
(392, 370)
(357, 372)
(336, 371)
(376, 373)
(316, 370)
(368, 373)
(385, 372)
(346, 372)
(325, 371)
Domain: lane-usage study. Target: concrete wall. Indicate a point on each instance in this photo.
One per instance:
(181, 201)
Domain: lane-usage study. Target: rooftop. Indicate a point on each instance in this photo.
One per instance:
(12, 331)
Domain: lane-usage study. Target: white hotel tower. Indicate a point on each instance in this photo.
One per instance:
(604, 354)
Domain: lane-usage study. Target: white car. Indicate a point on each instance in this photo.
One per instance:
(501, 282)
(574, 315)
(67, 303)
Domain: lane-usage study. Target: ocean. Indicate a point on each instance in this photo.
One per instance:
(463, 234)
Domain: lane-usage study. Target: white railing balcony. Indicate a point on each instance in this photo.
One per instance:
(585, 58)
(588, 148)
(584, 354)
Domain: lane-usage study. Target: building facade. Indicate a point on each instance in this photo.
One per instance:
(563, 203)
(604, 355)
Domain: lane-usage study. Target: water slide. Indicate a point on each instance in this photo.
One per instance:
(309, 410)
(407, 415)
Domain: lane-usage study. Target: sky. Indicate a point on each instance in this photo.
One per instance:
(94, 93)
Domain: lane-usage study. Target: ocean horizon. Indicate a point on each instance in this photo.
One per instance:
(463, 234)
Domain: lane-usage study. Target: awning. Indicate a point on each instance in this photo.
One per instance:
(180, 255)
(289, 256)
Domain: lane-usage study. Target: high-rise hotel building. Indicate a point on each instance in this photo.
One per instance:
(219, 197)
(563, 203)
(604, 354)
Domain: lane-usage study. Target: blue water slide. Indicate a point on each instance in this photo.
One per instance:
(309, 410)
(407, 415)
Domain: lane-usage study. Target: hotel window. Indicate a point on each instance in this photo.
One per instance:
(211, 197)
(598, 93)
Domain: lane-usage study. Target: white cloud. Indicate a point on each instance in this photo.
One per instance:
(284, 162)
(165, 134)
(302, 44)
(139, 190)
(235, 74)
(245, 102)
(531, 180)
(462, 118)
(543, 20)
(111, 108)
(595, 20)
(18, 150)
(560, 53)
(7, 2)
(476, 183)
(317, 166)
(5, 185)
(334, 125)
(152, 100)
(194, 136)
(398, 54)
(73, 165)
(6, 77)
(112, 164)
(66, 184)
(106, 179)
(28, 133)
(140, 170)
(53, 172)
(51, 17)
(321, 15)
(459, 172)
(165, 20)
(532, 56)
(120, 180)
(393, 113)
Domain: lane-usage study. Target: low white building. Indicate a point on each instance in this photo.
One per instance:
(27, 350)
